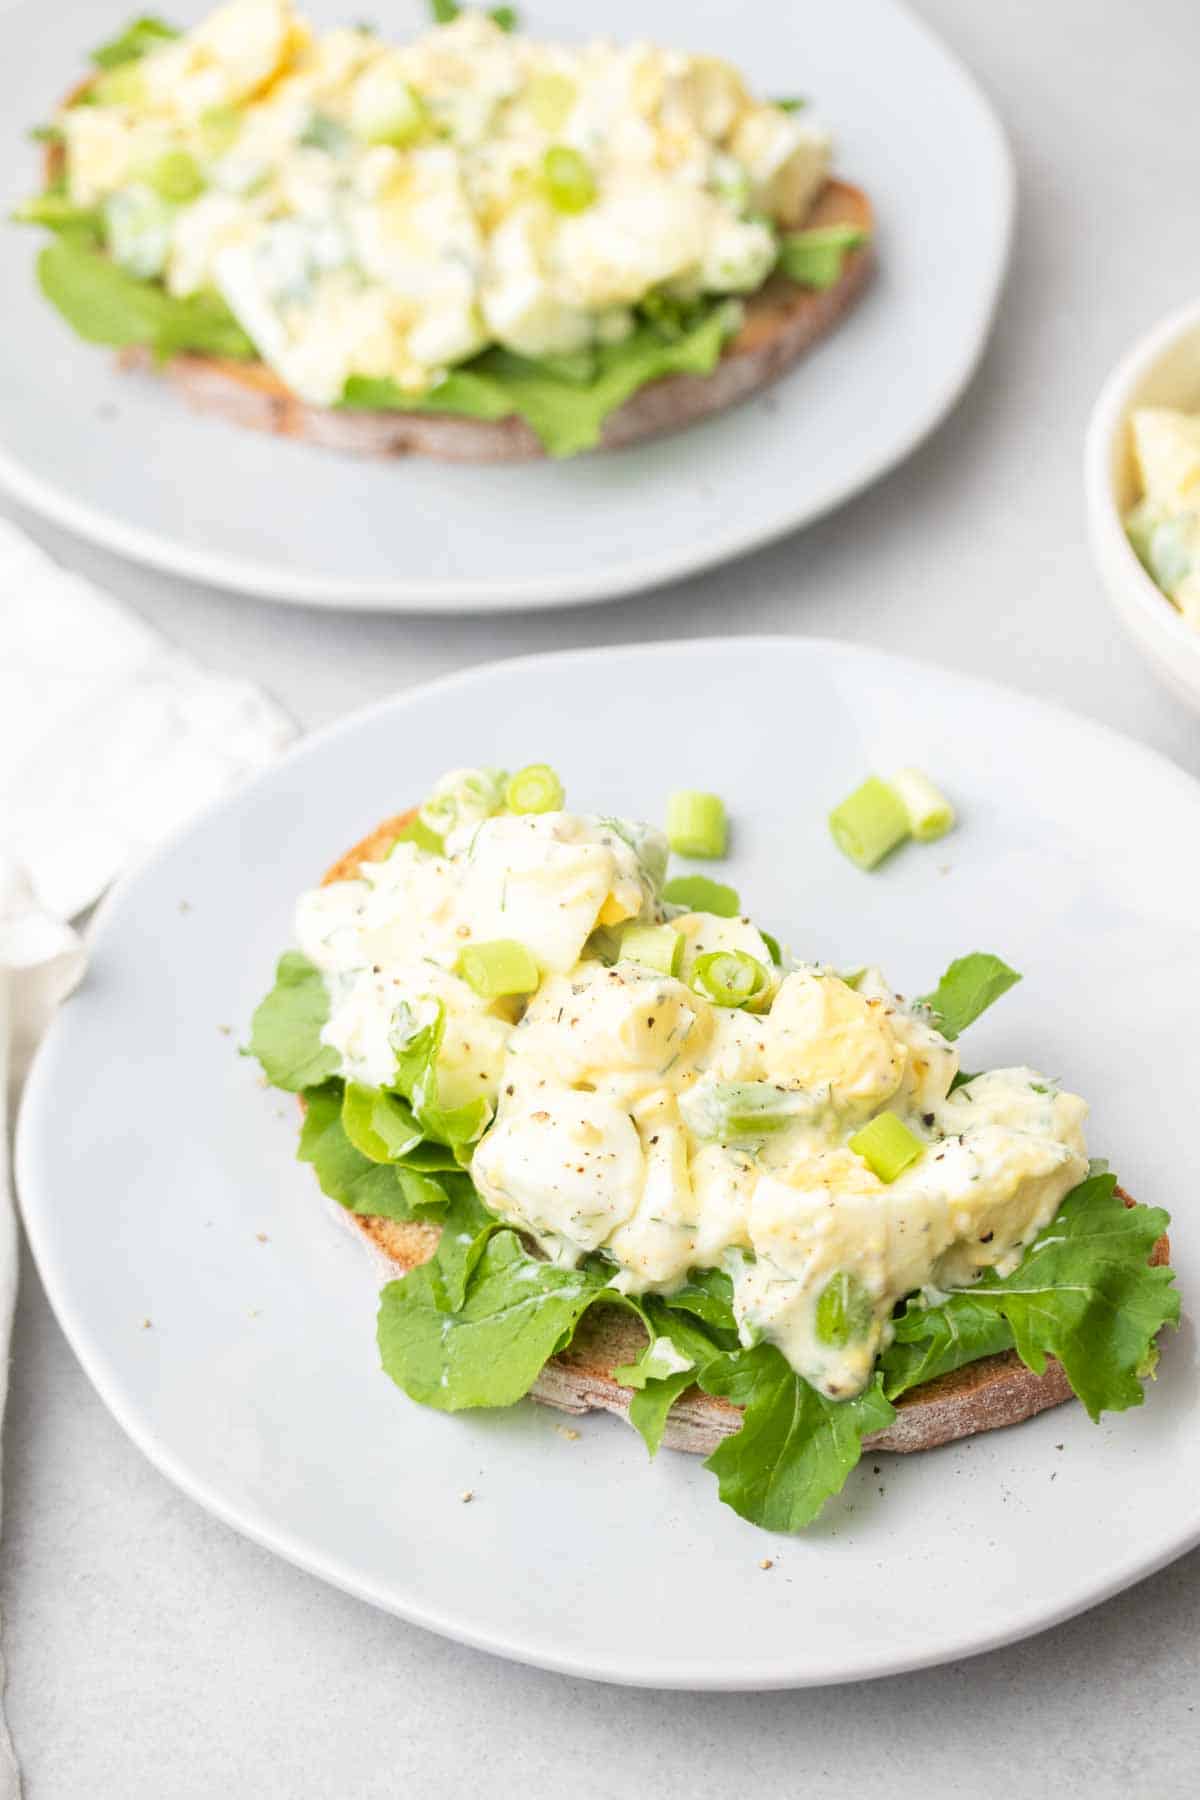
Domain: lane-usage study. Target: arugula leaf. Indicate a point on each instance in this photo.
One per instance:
(701, 894)
(372, 1189)
(657, 1376)
(795, 1448)
(814, 258)
(968, 988)
(516, 1314)
(379, 1124)
(567, 413)
(934, 1340)
(1084, 1292)
(107, 306)
(54, 211)
(139, 37)
(466, 1229)
(708, 1295)
(285, 1032)
(417, 1079)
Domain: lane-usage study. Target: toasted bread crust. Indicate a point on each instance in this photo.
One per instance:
(983, 1395)
(782, 320)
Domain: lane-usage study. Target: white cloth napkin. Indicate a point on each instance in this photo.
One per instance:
(108, 740)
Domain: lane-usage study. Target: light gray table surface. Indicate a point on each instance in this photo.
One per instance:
(154, 1655)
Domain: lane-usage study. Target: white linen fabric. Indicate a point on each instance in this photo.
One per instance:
(109, 739)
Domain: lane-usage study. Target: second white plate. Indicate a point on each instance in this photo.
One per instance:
(121, 460)
(150, 1160)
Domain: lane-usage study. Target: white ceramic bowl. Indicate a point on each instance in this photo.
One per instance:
(1163, 369)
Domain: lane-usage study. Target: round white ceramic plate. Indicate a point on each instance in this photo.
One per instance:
(150, 1158)
(120, 459)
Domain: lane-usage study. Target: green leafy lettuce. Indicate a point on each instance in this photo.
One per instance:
(1084, 1293)
(795, 1448)
(105, 305)
(815, 258)
(138, 38)
(285, 1032)
(968, 988)
(565, 401)
(515, 1315)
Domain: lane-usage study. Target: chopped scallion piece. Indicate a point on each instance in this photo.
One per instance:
(568, 180)
(730, 978)
(506, 17)
(696, 824)
(930, 814)
(498, 968)
(887, 1146)
(175, 176)
(699, 894)
(536, 789)
(869, 822)
(843, 1310)
(418, 833)
(658, 947)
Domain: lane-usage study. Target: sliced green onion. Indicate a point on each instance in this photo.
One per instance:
(175, 176)
(219, 129)
(730, 1112)
(930, 814)
(501, 967)
(730, 978)
(869, 822)
(887, 1146)
(844, 1311)
(699, 894)
(536, 789)
(415, 832)
(569, 183)
(696, 824)
(772, 944)
(444, 11)
(550, 98)
(506, 17)
(658, 947)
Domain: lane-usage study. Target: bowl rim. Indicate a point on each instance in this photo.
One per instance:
(1109, 417)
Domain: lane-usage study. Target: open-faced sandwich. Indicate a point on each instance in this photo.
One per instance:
(473, 246)
(620, 1150)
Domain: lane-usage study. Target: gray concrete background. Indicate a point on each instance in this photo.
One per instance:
(153, 1655)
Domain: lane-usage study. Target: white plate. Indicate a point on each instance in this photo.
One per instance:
(149, 1157)
(120, 460)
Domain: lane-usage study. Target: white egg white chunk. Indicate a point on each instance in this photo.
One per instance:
(385, 212)
(634, 1118)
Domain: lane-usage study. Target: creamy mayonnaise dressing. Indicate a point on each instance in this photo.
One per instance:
(635, 1118)
(380, 211)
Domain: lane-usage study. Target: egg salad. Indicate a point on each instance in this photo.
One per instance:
(582, 1084)
(372, 217)
(638, 1112)
(1164, 526)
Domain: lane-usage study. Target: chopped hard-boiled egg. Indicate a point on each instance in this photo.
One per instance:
(635, 1115)
(473, 187)
(1164, 526)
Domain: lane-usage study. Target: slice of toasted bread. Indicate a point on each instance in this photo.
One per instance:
(781, 321)
(996, 1390)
